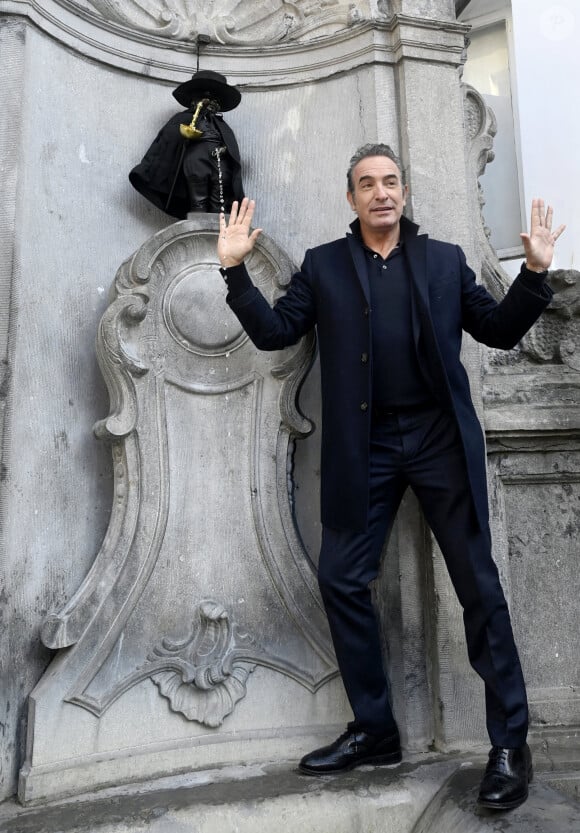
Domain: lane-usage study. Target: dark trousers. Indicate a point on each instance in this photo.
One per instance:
(421, 449)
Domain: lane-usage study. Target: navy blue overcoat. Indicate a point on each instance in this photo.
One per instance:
(331, 292)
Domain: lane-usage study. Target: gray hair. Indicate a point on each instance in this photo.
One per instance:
(372, 150)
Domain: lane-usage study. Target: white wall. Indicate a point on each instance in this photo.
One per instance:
(547, 68)
(544, 65)
(488, 70)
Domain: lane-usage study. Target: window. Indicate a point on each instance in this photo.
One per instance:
(488, 70)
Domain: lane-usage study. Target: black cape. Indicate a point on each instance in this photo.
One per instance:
(159, 176)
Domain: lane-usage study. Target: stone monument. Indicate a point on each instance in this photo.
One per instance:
(201, 592)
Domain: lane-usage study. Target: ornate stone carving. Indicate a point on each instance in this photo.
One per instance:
(268, 22)
(558, 337)
(261, 43)
(201, 426)
(169, 325)
(204, 675)
(231, 21)
(480, 128)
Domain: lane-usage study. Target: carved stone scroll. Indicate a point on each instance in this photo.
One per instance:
(256, 44)
(230, 21)
(212, 668)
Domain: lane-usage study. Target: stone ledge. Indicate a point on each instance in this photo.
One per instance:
(429, 793)
(248, 798)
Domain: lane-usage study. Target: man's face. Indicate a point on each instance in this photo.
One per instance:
(379, 194)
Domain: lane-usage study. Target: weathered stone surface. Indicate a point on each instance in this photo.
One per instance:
(232, 21)
(259, 44)
(249, 798)
(454, 810)
(426, 794)
(201, 530)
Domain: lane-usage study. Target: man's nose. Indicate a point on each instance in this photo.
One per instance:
(381, 192)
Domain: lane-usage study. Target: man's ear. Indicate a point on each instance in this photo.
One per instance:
(405, 194)
(350, 199)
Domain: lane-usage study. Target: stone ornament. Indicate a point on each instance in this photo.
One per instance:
(189, 395)
(202, 427)
(557, 336)
(231, 21)
(204, 675)
(480, 130)
(258, 44)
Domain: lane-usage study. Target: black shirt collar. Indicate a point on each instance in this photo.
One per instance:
(409, 229)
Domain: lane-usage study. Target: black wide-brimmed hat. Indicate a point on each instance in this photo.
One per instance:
(206, 81)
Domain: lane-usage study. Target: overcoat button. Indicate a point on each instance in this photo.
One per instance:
(364, 406)
(366, 312)
(364, 357)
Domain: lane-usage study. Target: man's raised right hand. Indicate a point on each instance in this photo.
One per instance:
(235, 241)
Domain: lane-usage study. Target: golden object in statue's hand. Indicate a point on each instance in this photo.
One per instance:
(190, 131)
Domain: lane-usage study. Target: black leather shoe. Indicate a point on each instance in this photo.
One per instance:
(507, 775)
(353, 748)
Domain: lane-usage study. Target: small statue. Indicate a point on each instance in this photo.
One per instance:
(194, 163)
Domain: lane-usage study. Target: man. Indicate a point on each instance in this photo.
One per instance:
(194, 161)
(389, 306)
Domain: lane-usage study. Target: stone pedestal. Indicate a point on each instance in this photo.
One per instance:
(201, 593)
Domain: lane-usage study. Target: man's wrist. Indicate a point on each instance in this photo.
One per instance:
(539, 270)
(535, 282)
(230, 262)
(237, 279)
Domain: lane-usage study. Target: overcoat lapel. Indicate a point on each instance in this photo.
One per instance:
(430, 361)
(360, 266)
(415, 252)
